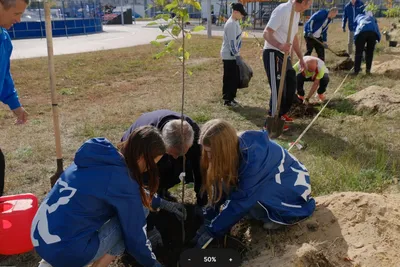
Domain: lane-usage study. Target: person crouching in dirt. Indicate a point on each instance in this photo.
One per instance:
(171, 164)
(97, 209)
(366, 36)
(259, 178)
(316, 28)
(316, 72)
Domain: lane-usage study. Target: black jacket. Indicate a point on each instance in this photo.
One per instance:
(170, 168)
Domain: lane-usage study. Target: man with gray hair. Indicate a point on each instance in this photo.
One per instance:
(10, 13)
(170, 165)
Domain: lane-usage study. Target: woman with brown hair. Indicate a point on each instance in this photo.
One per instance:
(98, 207)
(258, 177)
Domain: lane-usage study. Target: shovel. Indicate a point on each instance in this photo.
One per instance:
(54, 104)
(274, 124)
(338, 54)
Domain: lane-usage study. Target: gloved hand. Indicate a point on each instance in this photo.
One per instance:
(155, 238)
(344, 29)
(202, 237)
(173, 207)
(325, 45)
(239, 60)
(306, 101)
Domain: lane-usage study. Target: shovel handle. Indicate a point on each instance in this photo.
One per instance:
(50, 55)
(284, 65)
(321, 43)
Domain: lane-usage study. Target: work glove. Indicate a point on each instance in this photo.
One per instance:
(239, 60)
(306, 101)
(309, 35)
(155, 238)
(177, 208)
(325, 45)
(202, 237)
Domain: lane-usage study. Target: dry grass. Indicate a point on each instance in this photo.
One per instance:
(102, 93)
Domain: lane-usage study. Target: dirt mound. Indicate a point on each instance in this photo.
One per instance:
(378, 99)
(347, 229)
(346, 64)
(390, 68)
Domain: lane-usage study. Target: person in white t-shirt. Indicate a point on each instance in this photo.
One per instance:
(275, 35)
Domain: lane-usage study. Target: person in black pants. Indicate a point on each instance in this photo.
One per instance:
(366, 35)
(316, 72)
(230, 53)
(2, 172)
(316, 28)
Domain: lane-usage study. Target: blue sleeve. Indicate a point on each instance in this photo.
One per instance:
(310, 23)
(9, 95)
(344, 19)
(238, 205)
(133, 221)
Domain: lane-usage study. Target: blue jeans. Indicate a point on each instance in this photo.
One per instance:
(111, 238)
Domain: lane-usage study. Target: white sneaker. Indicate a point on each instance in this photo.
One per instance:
(44, 263)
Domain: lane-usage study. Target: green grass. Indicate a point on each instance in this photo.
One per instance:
(346, 149)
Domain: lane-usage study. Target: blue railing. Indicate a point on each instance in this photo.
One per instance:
(37, 29)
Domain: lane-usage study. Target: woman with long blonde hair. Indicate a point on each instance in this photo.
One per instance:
(257, 176)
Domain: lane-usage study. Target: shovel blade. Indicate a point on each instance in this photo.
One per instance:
(274, 126)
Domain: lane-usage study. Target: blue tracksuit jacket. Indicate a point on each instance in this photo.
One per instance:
(270, 176)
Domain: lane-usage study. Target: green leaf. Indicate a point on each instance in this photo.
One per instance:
(159, 55)
(155, 43)
(198, 28)
(161, 37)
(176, 30)
(163, 27)
(165, 17)
(196, 5)
(180, 49)
(174, 4)
(187, 55)
(189, 72)
(170, 44)
(150, 6)
(152, 23)
(188, 36)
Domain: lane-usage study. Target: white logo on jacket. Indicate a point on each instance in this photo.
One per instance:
(40, 222)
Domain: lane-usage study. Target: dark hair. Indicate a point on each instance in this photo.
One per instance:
(146, 142)
(11, 3)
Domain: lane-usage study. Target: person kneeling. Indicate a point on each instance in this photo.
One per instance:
(258, 176)
(316, 72)
(97, 209)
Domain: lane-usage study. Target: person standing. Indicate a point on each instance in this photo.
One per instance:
(317, 28)
(10, 13)
(351, 10)
(366, 36)
(230, 53)
(275, 35)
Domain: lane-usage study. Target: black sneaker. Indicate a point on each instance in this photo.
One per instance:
(231, 104)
